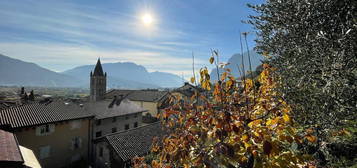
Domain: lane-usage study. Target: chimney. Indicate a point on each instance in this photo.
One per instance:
(113, 101)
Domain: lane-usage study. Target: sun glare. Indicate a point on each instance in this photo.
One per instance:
(147, 19)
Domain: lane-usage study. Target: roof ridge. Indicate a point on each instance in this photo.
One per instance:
(111, 134)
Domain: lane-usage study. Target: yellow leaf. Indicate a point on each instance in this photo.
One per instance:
(286, 118)
(229, 83)
(247, 145)
(248, 84)
(192, 79)
(255, 123)
(211, 60)
(276, 120)
(256, 134)
(245, 138)
(269, 122)
(224, 76)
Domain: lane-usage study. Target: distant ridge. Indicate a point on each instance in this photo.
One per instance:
(17, 72)
(127, 75)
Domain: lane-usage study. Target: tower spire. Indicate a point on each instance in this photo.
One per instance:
(98, 70)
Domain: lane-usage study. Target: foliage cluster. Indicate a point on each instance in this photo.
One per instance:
(242, 124)
(313, 45)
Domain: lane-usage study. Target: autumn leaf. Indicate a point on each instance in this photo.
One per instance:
(192, 80)
(311, 138)
(229, 84)
(245, 137)
(286, 118)
(309, 131)
(230, 125)
(211, 60)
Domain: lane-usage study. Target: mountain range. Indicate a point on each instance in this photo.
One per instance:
(17, 72)
(236, 61)
(125, 75)
(128, 75)
(120, 75)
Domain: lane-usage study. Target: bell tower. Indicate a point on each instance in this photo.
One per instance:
(98, 83)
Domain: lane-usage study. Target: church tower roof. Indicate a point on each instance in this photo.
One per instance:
(98, 70)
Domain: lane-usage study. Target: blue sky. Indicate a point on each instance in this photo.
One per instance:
(60, 35)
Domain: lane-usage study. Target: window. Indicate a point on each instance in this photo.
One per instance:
(76, 124)
(114, 119)
(100, 151)
(45, 152)
(98, 134)
(135, 124)
(98, 122)
(135, 115)
(127, 117)
(45, 129)
(76, 143)
(114, 129)
(126, 126)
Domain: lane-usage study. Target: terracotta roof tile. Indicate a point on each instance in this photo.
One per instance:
(9, 149)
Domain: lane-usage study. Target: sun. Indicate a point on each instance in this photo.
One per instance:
(147, 19)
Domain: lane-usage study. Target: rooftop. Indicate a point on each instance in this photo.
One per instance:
(41, 113)
(134, 142)
(138, 95)
(106, 109)
(9, 148)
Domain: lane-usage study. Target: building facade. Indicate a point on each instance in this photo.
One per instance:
(58, 133)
